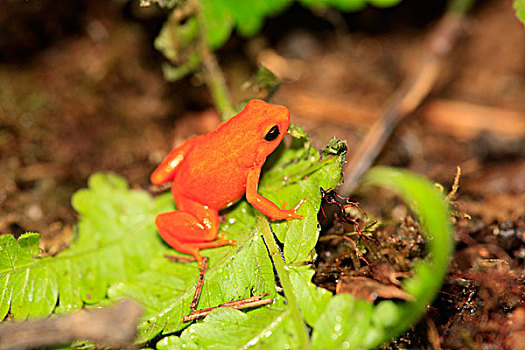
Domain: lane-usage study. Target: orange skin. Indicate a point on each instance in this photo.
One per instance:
(211, 172)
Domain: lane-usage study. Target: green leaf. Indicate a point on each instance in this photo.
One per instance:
(389, 319)
(118, 253)
(218, 22)
(263, 328)
(312, 299)
(173, 342)
(293, 173)
(211, 24)
(231, 329)
(343, 325)
(245, 269)
(116, 240)
(235, 272)
(177, 38)
(295, 178)
(519, 6)
(222, 16)
(29, 287)
(349, 324)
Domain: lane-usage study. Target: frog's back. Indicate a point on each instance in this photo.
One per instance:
(215, 170)
(213, 173)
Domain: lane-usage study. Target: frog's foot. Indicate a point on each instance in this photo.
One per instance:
(283, 213)
(193, 248)
(182, 247)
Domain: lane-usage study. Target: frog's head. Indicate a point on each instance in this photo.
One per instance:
(254, 132)
(267, 124)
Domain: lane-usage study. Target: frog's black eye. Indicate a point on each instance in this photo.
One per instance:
(272, 134)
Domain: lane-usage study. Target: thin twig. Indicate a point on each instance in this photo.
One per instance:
(409, 96)
(235, 304)
(181, 259)
(114, 327)
(433, 334)
(455, 185)
(200, 283)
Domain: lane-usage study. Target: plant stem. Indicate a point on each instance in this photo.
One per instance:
(297, 318)
(213, 75)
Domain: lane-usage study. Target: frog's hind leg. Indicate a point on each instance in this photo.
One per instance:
(190, 229)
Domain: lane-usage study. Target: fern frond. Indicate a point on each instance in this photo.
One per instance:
(117, 241)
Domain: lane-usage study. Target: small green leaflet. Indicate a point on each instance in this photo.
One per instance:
(29, 287)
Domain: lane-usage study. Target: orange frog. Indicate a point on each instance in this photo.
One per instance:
(211, 172)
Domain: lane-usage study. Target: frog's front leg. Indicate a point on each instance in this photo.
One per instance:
(193, 227)
(263, 204)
